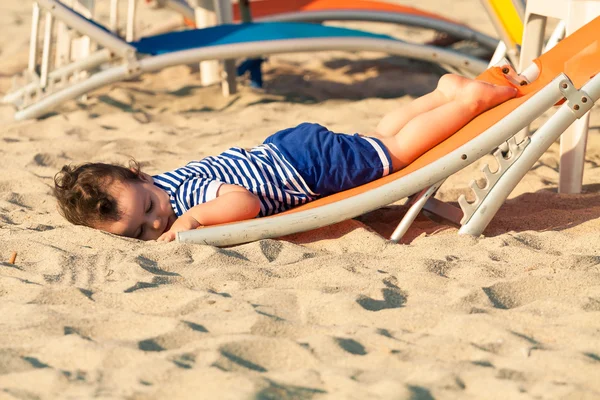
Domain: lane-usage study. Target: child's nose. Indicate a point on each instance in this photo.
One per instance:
(156, 223)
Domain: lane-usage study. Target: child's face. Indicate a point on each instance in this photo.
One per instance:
(145, 209)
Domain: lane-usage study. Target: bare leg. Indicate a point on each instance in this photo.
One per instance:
(465, 100)
(392, 122)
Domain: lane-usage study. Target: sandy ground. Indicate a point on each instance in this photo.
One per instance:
(335, 313)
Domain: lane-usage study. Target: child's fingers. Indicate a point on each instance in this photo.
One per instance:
(166, 237)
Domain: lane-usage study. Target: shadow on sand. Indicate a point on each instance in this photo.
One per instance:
(544, 210)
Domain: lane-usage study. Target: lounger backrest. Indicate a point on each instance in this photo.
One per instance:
(578, 55)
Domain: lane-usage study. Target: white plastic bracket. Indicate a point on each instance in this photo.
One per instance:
(491, 178)
(515, 78)
(133, 65)
(578, 101)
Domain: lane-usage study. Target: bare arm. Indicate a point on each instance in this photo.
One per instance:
(233, 203)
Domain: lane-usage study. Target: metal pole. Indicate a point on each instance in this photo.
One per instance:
(130, 33)
(33, 39)
(114, 16)
(46, 50)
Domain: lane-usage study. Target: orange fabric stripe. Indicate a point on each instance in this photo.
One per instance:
(265, 8)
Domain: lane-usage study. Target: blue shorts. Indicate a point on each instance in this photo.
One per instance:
(331, 162)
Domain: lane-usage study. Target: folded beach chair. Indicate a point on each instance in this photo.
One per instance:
(566, 72)
(120, 60)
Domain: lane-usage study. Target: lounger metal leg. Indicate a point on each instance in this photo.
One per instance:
(130, 31)
(63, 45)
(557, 35)
(33, 39)
(418, 202)
(444, 210)
(224, 13)
(499, 54)
(46, 49)
(534, 27)
(114, 17)
(574, 14)
(205, 16)
(573, 142)
(572, 156)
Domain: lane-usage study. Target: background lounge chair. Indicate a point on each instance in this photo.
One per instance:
(318, 11)
(45, 88)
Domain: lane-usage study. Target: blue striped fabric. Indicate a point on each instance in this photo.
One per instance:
(262, 170)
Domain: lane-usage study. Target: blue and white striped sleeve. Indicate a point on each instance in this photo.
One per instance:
(196, 191)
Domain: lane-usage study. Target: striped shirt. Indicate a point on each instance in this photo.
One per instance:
(263, 170)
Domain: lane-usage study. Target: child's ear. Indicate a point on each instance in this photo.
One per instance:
(145, 177)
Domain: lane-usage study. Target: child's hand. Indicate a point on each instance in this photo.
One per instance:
(183, 223)
(168, 236)
(233, 203)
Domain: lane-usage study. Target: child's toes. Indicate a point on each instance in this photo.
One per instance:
(503, 93)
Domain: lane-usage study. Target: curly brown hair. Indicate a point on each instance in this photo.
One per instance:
(82, 191)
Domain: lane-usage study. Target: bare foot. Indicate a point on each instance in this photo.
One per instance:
(477, 95)
(450, 85)
(480, 96)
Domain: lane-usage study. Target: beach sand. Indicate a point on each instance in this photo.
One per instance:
(334, 313)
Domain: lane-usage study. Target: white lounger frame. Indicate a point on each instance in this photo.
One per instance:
(45, 92)
(475, 216)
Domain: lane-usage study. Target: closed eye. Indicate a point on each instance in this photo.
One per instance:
(149, 208)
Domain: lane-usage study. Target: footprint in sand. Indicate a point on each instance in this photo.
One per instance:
(263, 355)
(287, 392)
(185, 332)
(351, 346)
(507, 295)
(393, 297)
(185, 361)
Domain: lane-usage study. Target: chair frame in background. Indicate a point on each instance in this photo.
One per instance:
(121, 60)
(207, 13)
(573, 15)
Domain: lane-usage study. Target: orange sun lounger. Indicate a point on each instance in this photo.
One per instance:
(566, 74)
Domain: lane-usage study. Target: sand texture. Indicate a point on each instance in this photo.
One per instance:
(335, 313)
